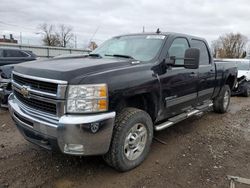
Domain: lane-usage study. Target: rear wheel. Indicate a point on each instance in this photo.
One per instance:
(132, 137)
(221, 103)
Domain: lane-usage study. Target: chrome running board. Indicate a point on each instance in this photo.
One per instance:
(197, 111)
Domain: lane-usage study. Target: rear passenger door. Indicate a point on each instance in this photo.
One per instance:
(206, 73)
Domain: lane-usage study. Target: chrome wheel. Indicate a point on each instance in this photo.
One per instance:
(226, 100)
(135, 141)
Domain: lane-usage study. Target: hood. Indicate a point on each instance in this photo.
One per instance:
(70, 68)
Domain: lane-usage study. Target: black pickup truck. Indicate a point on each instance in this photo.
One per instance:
(110, 102)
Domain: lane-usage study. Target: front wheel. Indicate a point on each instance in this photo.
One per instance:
(221, 102)
(132, 137)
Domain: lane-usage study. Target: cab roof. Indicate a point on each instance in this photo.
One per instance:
(164, 34)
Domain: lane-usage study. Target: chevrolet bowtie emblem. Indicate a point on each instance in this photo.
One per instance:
(25, 91)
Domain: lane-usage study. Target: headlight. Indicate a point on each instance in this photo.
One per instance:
(87, 98)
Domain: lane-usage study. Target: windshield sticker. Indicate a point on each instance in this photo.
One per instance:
(155, 37)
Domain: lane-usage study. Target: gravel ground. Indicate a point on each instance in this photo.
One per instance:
(199, 152)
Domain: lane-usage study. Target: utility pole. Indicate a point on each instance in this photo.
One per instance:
(143, 29)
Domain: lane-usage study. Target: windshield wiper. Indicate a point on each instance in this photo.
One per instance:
(95, 55)
(120, 55)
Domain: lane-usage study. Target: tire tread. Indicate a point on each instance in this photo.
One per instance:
(121, 121)
(218, 101)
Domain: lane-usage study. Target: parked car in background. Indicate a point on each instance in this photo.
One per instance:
(15, 56)
(243, 66)
(5, 84)
(9, 58)
(243, 79)
(243, 86)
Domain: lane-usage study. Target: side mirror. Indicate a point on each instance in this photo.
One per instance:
(170, 61)
(192, 58)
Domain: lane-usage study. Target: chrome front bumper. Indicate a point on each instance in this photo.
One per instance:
(71, 134)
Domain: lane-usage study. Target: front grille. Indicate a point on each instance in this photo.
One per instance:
(36, 104)
(35, 84)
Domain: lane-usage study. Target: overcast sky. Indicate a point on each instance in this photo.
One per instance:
(205, 18)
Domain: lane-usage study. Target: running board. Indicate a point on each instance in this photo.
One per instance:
(182, 116)
(164, 125)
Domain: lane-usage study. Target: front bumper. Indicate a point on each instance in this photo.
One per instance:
(71, 134)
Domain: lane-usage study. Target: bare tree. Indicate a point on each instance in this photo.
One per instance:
(230, 46)
(50, 38)
(56, 36)
(65, 34)
(215, 47)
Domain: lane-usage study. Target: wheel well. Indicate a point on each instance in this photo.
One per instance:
(230, 81)
(146, 102)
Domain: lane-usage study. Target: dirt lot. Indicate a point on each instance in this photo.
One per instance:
(199, 152)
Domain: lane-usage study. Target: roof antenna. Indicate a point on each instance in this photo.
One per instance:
(158, 31)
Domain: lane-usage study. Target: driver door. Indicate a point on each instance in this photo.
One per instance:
(179, 85)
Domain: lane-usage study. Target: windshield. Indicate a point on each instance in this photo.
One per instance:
(140, 47)
(243, 66)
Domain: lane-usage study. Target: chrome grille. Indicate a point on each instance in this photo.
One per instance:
(36, 104)
(36, 84)
(44, 95)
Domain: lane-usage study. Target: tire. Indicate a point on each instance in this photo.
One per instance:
(128, 122)
(221, 103)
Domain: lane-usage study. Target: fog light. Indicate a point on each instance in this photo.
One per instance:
(94, 127)
(73, 148)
